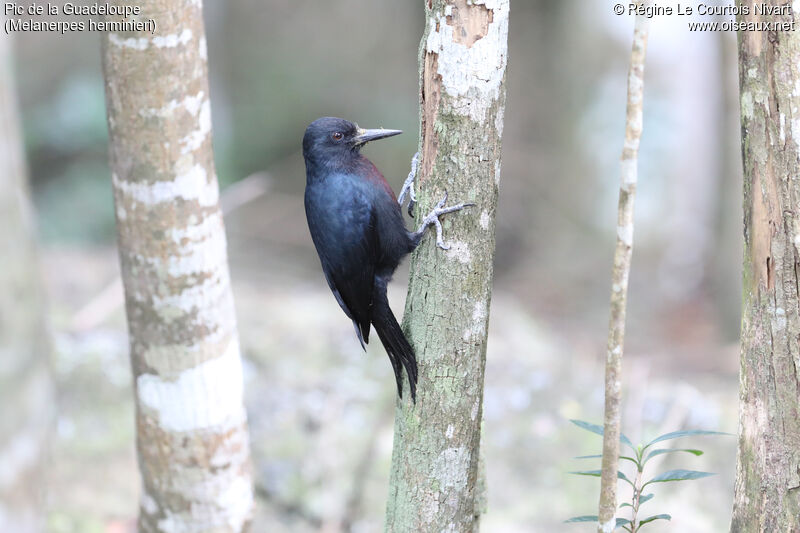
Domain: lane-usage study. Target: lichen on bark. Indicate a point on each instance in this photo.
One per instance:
(463, 55)
(767, 489)
(192, 436)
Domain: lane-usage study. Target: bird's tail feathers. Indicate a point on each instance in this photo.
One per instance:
(395, 342)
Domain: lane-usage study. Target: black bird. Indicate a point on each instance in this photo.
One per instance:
(358, 230)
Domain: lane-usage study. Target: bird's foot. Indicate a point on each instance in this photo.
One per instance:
(408, 187)
(432, 219)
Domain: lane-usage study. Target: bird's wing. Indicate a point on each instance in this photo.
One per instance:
(345, 235)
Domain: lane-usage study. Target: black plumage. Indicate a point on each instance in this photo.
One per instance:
(359, 233)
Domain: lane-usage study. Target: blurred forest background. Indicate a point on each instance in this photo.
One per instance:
(321, 412)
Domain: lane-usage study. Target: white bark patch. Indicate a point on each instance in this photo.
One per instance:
(202, 49)
(625, 234)
(195, 232)
(430, 508)
(142, 43)
(136, 44)
(204, 255)
(485, 220)
(782, 130)
(191, 103)
(190, 184)
(797, 236)
(747, 105)
(628, 173)
(147, 503)
(195, 139)
(237, 500)
(609, 526)
(478, 326)
(474, 413)
(171, 41)
(796, 130)
(459, 250)
(451, 468)
(208, 395)
(780, 319)
(499, 122)
(450, 431)
(478, 68)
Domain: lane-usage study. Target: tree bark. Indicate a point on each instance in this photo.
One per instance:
(607, 507)
(25, 377)
(192, 435)
(463, 57)
(767, 491)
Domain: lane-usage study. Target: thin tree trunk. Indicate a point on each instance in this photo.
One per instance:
(463, 57)
(192, 435)
(767, 493)
(619, 280)
(26, 389)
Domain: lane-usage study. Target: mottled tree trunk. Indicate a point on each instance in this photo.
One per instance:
(25, 386)
(607, 506)
(191, 426)
(767, 494)
(463, 57)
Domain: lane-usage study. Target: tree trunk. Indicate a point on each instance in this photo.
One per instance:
(25, 379)
(463, 57)
(191, 425)
(767, 494)
(607, 506)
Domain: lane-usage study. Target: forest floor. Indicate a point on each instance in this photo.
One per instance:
(321, 411)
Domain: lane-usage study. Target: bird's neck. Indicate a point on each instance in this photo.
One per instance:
(344, 162)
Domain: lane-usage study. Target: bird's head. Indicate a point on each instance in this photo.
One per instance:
(333, 139)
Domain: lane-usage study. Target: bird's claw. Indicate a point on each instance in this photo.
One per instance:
(433, 219)
(408, 187)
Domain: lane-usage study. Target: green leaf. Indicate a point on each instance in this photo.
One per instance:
(655, 517)
(621, 522)
(596, 473)
(670, 450)
(584, 518)
(686, 433)
(625, 457)
(594, 428)
(678, 475)
(626, 504)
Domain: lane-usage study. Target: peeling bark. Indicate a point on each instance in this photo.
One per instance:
(607, 507)
(191, 425)
(463, 57)
(25, 377)
(768, 460)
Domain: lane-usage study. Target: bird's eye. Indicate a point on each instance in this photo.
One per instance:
(337, 136)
